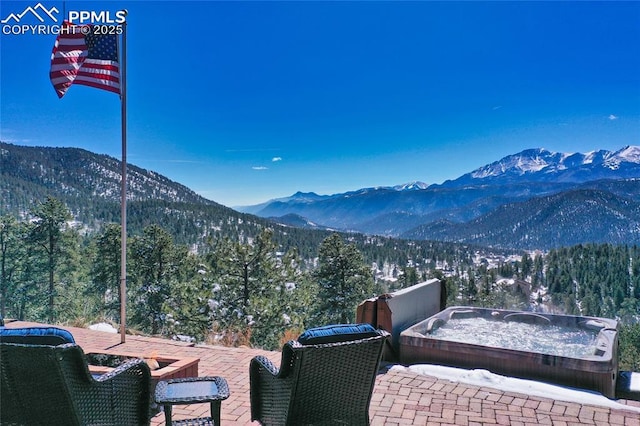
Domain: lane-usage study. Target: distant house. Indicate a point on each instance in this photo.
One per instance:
(516, 286)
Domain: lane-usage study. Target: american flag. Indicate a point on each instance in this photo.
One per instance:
(81, 57)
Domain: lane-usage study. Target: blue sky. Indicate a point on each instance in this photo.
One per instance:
(247, 101)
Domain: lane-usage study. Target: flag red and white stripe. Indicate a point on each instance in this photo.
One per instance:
(81, 57)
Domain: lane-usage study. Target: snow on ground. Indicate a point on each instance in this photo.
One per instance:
(485, 378)
(103, 326)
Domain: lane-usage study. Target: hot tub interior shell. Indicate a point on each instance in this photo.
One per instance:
(597, 372)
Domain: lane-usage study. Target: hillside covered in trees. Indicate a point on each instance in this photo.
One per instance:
(252, 291)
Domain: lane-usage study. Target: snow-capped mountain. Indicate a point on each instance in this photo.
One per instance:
(629, 154)
(541, 165)
(529, 161)
(411, 186)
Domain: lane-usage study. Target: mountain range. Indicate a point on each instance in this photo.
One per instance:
(532, 199)
(89, 186)
(535, 199)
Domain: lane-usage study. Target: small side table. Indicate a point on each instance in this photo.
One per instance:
(192, 390)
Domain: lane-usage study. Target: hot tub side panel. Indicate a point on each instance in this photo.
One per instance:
(594, 375)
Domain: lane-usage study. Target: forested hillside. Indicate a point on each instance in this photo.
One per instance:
(564, 219)
(240, 288)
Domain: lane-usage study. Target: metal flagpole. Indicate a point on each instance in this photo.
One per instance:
(123, 185)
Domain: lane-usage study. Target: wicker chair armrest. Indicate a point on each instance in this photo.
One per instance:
(129, 390)
(286, 362)
(137, 366)
(266, 364)
(270, 390)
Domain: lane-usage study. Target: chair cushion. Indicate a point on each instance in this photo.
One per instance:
(36, 336)
(337, 333)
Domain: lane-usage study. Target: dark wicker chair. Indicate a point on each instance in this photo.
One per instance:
(51, 385)
(325, 381)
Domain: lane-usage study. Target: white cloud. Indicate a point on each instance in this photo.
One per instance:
(259, 168)
(274, 159)
(613, 117)
(9, 139)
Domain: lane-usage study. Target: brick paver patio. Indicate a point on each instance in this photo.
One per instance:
(399, 397)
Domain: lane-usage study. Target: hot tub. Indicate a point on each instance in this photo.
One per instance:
(569, 350)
